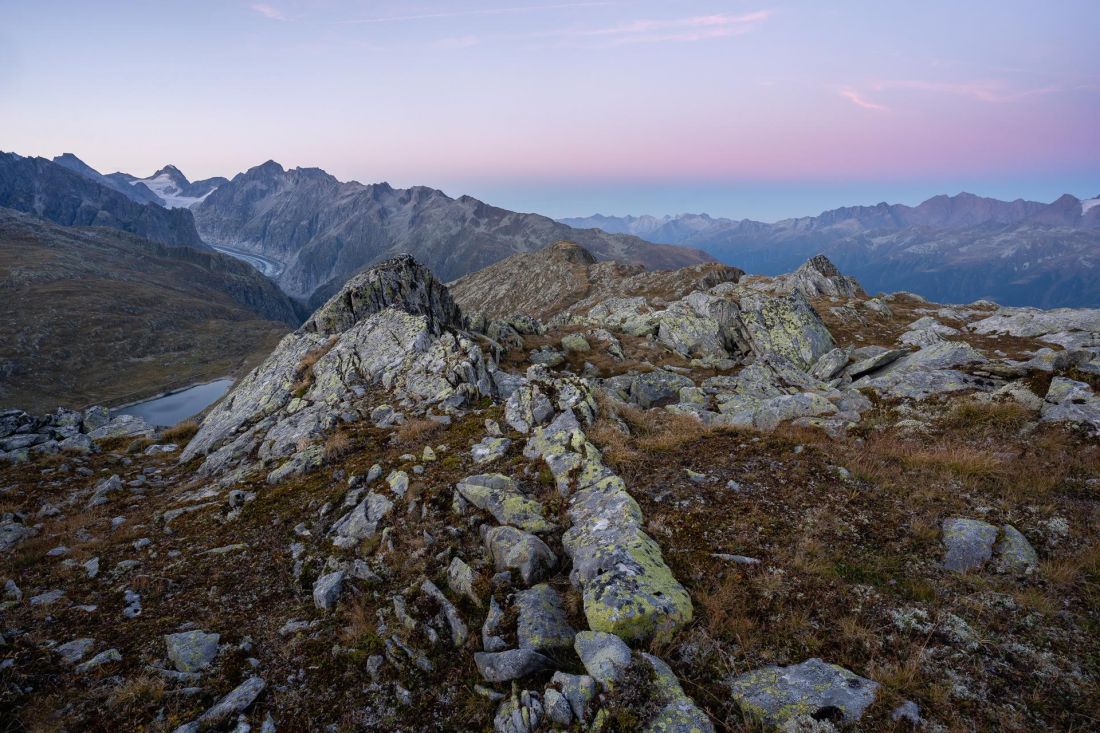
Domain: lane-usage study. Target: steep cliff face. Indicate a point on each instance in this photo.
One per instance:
(324, 230)
(55, 193)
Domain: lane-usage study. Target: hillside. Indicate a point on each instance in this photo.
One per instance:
(555, 279)
(55, 193)
(771, 505)
(97, 315)
(321, 230)
(949, 248)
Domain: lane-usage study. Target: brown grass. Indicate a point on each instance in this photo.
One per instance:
(337, 445)
(181, 433)
(417, 431)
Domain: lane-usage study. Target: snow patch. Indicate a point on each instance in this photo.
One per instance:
(169, 192)
(1089, 204)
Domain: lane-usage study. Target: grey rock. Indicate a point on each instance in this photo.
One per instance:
(327, 589)
(489, 449)
(236, 702)
(191, 651)
(813, 688)
(1014, 553)
(459, 630)
(514, 549)
(969, 543)
(657, 388)
(104, 657)
(460, 579)
(511, 664)
(604, 656)
(73, 651)
(907, 712)
(578, 689)
(542, 623)
(47, 598)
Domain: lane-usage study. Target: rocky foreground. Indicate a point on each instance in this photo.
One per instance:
(688, 501)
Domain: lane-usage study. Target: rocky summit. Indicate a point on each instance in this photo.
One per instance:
(570, 495)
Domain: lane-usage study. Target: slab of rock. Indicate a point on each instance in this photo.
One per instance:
(512, 664)
(499, 495)
(190, 651)
(680, 714)
(969, 543)
(234, 703)
(814, 689)
(361, 522)
(1014, 553)
(73, 651)
(104, 657)
(489, 449)
(604, 656)
(542, 622)
(657, 388)
(514, 549)
(327, 589)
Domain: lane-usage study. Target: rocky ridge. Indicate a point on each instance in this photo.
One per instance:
(606, 519)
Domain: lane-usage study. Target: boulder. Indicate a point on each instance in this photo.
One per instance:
(499, 495)
(190, 651)
(969, 543)
(512, 664)
(813, 689)
(513, 549)
(542, 623)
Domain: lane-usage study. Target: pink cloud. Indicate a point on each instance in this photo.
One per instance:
(854, 97)
(697, 28)
(269, 12)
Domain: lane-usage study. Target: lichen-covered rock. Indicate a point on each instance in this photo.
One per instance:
(327, 590)
(680, 714)
(605, 656)
(190, 651)
(657, 388)
(527, 407)
(575, 342)
(1068, 400)
(400, 282)
(785, 325)
(499, 495)
(818, 277)
(814, 689)
(513, 549)
(542, 623)
(489, 449)
(512, 664)
(394, 325)
(628, 589)
(361, 522)
(969, 543)
(1014, 553)
(578, 689)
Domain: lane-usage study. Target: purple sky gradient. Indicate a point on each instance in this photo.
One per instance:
(738, 108)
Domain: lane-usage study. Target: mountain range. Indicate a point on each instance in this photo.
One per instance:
(321, 230)
(949, 248)
(71, 195)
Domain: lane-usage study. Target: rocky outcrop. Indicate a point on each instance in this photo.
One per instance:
(393, 326)
(565, 277)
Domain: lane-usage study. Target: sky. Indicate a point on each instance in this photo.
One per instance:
(740, 108)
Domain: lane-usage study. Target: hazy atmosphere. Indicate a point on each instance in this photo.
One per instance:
(739, 109)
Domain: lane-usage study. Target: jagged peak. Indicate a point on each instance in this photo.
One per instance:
(399, 282)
